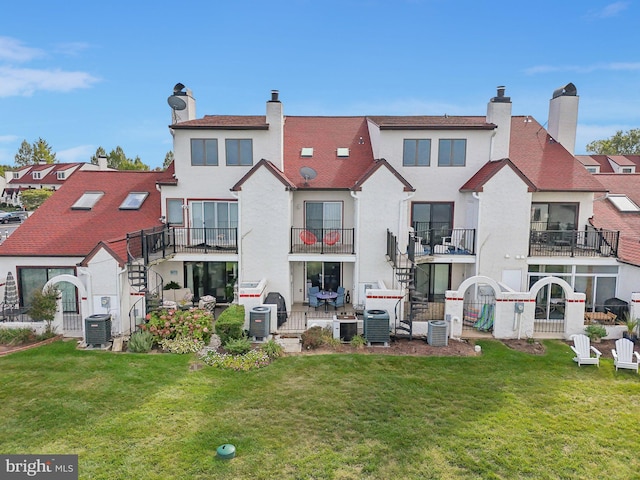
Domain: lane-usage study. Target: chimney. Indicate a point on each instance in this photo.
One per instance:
(275, 119)
(563, 116)
(499, 113)
(102, 162)
(182, 104)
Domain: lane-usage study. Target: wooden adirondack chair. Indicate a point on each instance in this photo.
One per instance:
(623, 355)
(583, 349)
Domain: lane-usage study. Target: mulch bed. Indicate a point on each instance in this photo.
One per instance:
(7, 349)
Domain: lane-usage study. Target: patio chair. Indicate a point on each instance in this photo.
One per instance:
(582, 348)
(314, 301)
(623, 355)
(339, 300)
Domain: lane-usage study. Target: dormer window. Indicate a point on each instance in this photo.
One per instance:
(307, 152)
(593, 169)
(343, 152)
(36, 175)
(627, 170)
(60, 175)
(134, 201)
(16, 174)
(87, 201)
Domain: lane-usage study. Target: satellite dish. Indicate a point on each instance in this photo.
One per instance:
(308, 173)
(176, 103)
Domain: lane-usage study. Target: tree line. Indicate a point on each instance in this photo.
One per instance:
(39, 151)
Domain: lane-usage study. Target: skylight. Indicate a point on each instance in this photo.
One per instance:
(623, 203)
(87, 201)
(134, 201)
(307, 152)
(343, 152)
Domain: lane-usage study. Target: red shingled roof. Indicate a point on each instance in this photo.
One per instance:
(249, 122)
(325, 135)
(55, 229)
(546, 163)
(488, 170)
(607, 216)
(439, 122)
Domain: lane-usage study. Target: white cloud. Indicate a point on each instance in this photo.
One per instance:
(14, 51)
(26, 81)
(613, 66)
(81, 153)
(8, 138)
(611, 10)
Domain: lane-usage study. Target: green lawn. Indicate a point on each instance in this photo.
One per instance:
(504, 414)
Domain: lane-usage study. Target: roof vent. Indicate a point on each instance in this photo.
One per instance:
(500, 98)
(343, 152)
(306, 152)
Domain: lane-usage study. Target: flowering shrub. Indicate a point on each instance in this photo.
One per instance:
(169, 324)
(249, 361)
(182, 344)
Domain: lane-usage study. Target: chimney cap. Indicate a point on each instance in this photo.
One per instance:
(568, 90)
(500, 98)
(274, 96)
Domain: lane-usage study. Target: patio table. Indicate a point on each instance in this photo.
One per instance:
(326, 296)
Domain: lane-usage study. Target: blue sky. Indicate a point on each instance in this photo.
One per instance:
(83, 75)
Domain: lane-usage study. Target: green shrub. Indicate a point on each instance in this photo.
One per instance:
(171, 285)
(182, 345)
(313, 338)
(272, 349)
(169, 324)
(238, 346)
(140, 342)
(16, 336)
(230, 324)
(358, 341)
(595, 332)
(249, 361)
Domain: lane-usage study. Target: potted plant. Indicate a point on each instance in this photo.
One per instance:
(632, 327)
(595, 332)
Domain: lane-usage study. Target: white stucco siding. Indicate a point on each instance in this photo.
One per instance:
(265, 223)
(628, 281)
(433, 180)
(213, 181)
(382, 206)
(374, 136)
(503, 230)
(109, 281)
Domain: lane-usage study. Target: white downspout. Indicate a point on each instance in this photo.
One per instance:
(356, 246)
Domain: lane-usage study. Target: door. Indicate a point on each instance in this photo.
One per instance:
(325, 275)
(323, 217)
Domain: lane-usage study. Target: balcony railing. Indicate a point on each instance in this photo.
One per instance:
(162, 241)
(444, 240)
(322, 240)
(573, 243)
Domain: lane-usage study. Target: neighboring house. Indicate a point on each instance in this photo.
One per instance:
(50, 176)
(472, 219)
(81, 232)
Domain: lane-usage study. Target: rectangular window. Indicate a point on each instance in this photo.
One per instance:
(32, 279)
(60, 175)
(204, 152)
(175, 212)
(417, 153)
(239, 151)
(452, 152)
(214, 223)
(36, 175)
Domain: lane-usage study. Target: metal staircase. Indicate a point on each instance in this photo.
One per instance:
(404, 267)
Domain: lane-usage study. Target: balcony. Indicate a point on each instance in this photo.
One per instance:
(444, 240)
(572, 243)
(322, 240)
(161, 242)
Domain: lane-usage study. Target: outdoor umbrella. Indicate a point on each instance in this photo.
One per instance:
(10, 292)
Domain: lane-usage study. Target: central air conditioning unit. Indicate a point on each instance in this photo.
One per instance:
(259, 322)
(376, 327)
(97, 329)
(345, 327)
(437, 333)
